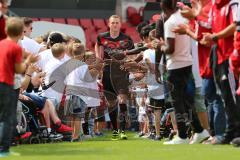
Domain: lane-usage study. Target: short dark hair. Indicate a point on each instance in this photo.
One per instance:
(170, 4)
(141, 25)
(145, 31)
(27, 21)
(55, 37)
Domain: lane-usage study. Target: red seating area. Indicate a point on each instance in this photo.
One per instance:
(92, 27)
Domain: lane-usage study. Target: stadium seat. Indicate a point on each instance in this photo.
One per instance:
(102, 30)
(99, 23)
(73, 21)
(86, 23)
(133, 16)
(46, 19)
(35, 19)
(59, 20)
(131, 11)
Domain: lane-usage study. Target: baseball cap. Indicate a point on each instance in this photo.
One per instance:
(55, 37)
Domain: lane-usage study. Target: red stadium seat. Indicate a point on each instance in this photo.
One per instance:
(131, 11)
(46, 19)
(102, 30)
(59, 20)
(99, 23)
(93, 37)
(86, 23)
(73, 21)
(35, 19)
(133, 16)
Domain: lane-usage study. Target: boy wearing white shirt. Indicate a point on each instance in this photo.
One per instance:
(79, 94)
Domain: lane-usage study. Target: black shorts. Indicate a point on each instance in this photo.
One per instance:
(115, 81)
(156, 104)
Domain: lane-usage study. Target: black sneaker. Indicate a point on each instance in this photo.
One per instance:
(52, 136)
(152, 135)
(55, 136)
(115, 136)
(236, 142)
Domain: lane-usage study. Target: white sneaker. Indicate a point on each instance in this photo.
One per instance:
(177, 140)
(199, 137)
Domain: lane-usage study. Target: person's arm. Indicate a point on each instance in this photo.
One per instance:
(22, 66)
(139, 58)
(209, 38)
(158, 58)
(99, 50)
(169, 46)
(185, 29)
(28, 75)
(191, 13)
(227, 32)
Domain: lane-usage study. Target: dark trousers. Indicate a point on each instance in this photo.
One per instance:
(183, 105)
(8, 108)
(232, 107)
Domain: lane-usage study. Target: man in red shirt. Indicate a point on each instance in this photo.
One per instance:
(223, 23)
(3, 11)
(10, 63)
(235, 63)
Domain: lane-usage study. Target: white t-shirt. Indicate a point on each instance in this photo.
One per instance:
(155, 90)
(83, 85)
(50, 66)
(46, 56)
(181, 57)
(18, 77)
(30, 45)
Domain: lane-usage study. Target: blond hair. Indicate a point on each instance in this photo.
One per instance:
(78, 49)
(14, 27)
(58, 49)
(115, 16)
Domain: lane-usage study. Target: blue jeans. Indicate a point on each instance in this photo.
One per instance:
(216, 111)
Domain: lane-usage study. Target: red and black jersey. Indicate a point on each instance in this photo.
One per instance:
(122, 42)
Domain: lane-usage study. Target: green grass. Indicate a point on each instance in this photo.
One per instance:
(134, 148)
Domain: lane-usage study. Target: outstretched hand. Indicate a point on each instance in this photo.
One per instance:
(191, 13)
(181, 29)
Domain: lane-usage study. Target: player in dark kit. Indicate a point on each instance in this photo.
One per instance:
(110, 48)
